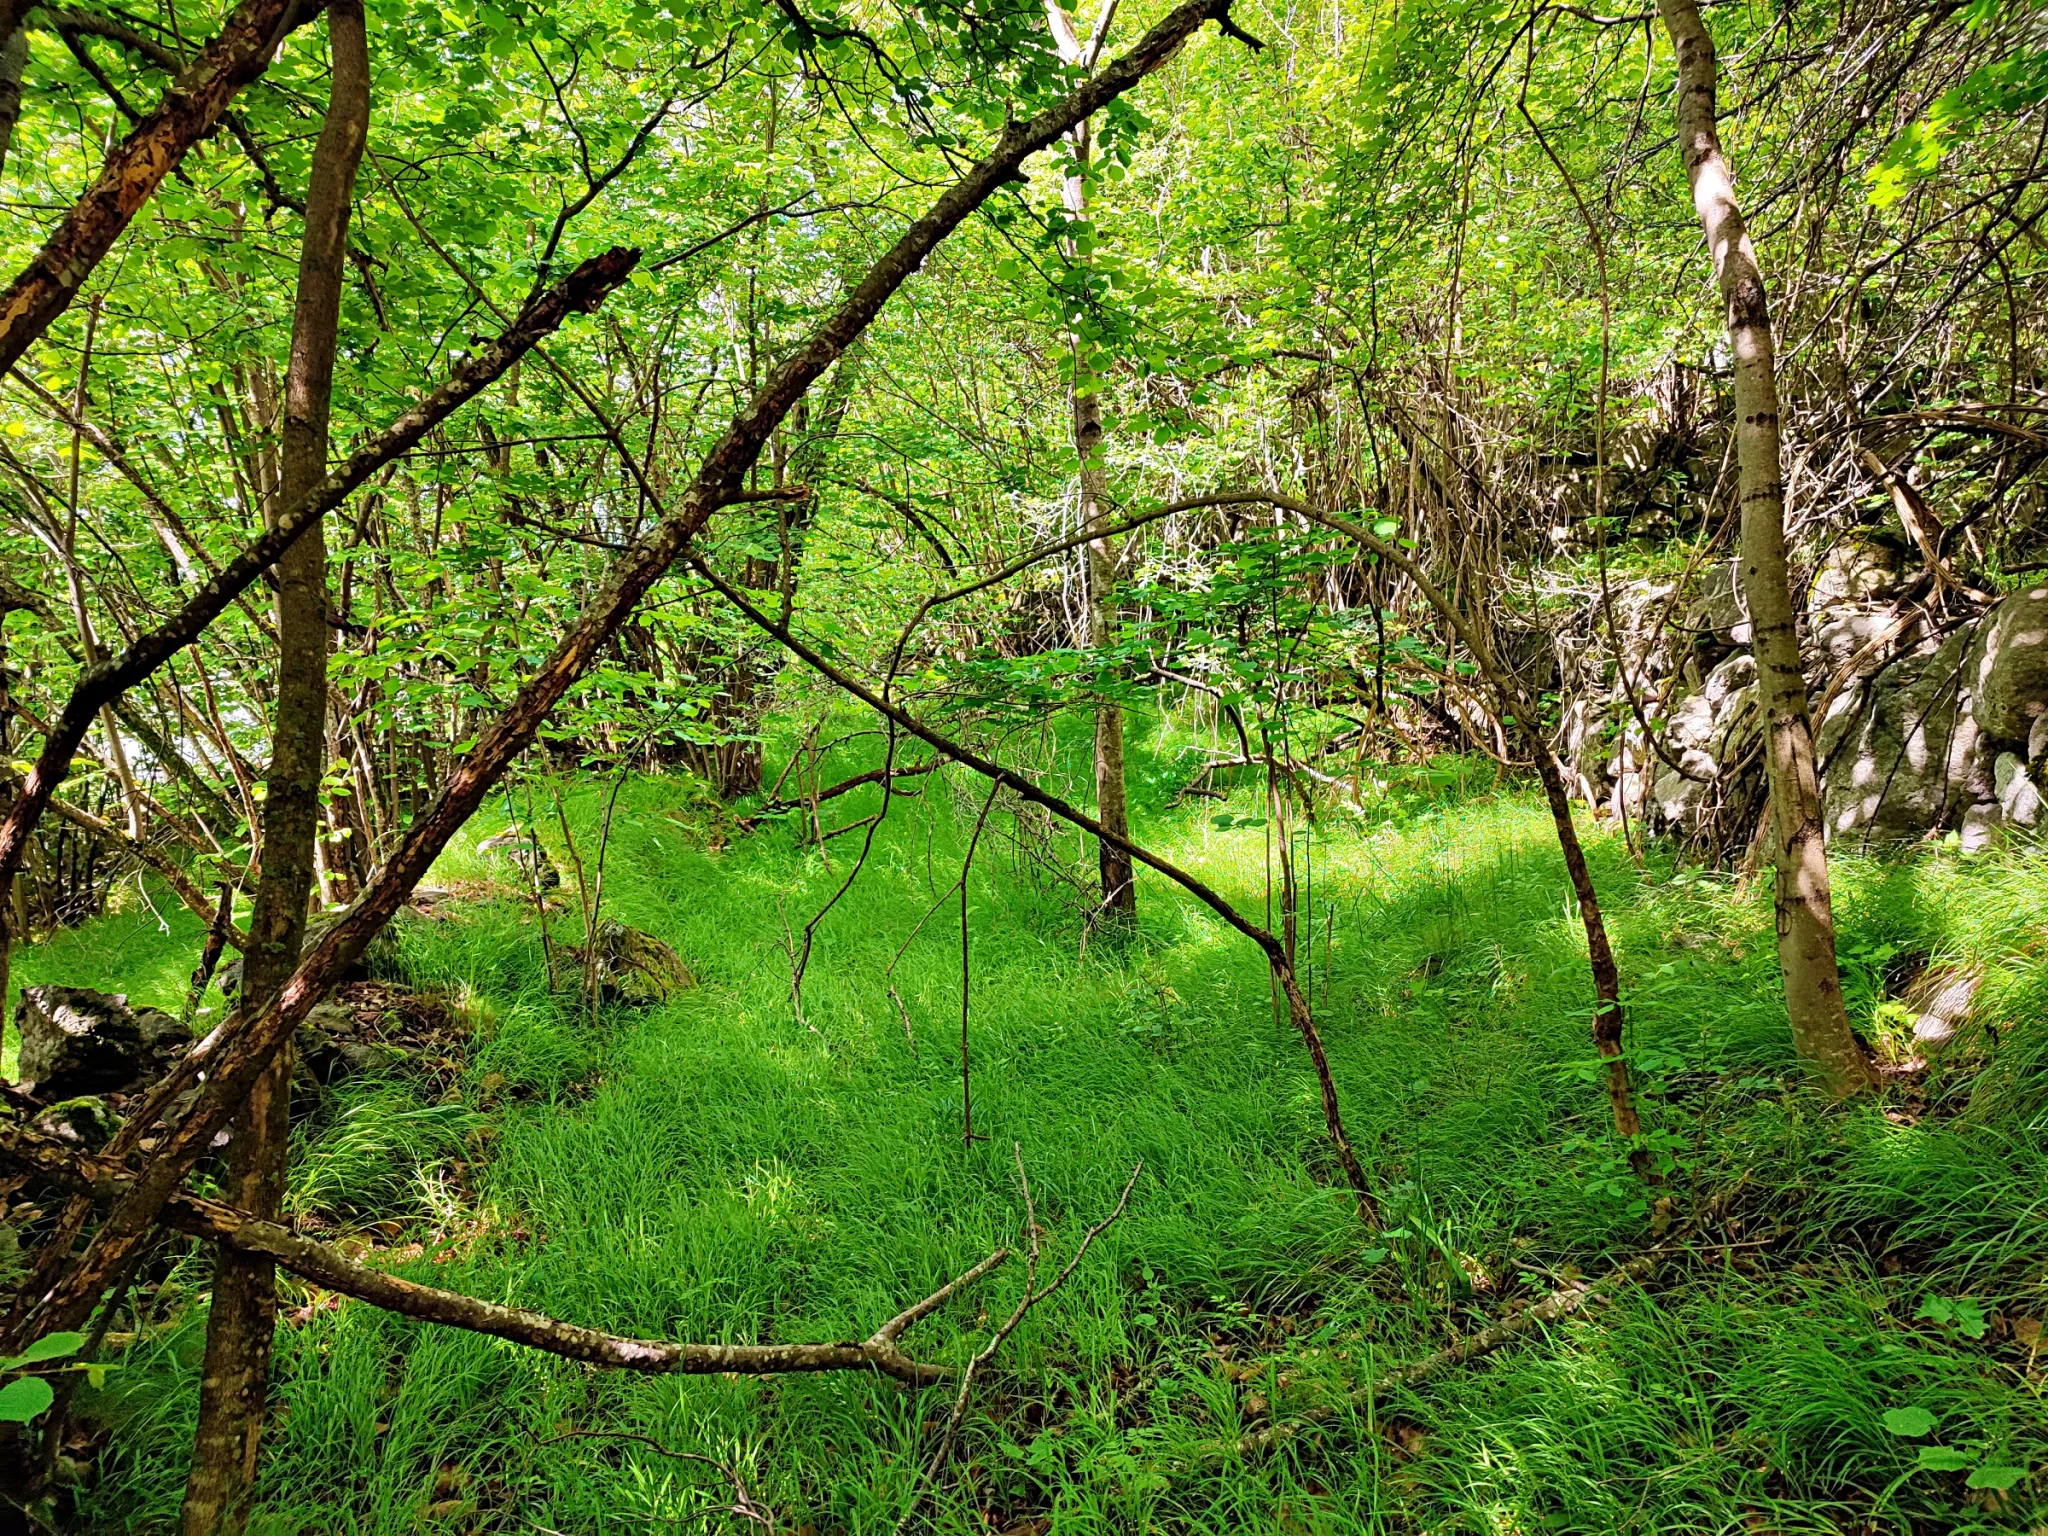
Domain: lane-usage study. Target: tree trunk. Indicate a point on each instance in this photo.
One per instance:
(1806, 921)
(13, 58)
(242, 1319)
(1119, 889)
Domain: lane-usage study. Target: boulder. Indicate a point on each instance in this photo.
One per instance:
(378, 960)
(635, 967)
(1982, 824)
(2008, 667)
(1939, 1001)
(86, 1122)
(523, 852)
(1707, 732)
(1901, 756)
(331, 1045)
(2019, 797)
(76, 1041)
(1721, 608)
(1861, 568)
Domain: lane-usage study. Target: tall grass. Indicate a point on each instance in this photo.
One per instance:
(719, 1168)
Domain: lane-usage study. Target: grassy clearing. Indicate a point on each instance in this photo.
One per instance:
(718, 1169)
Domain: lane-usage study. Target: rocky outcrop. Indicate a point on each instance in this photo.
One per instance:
(1931, 718)
(75, 1041)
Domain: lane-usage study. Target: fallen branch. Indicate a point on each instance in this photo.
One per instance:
(27, 1151)
(1032, 1297)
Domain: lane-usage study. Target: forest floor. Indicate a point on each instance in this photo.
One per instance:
(1852, 1345)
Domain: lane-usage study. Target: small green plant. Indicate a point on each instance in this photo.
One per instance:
(28, 1397)
(1913, 1422)
(1957, 1312)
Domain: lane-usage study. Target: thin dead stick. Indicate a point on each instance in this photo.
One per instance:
(604, 837)
(966, 975)
(800, 959)
(582, 885)
(540, 896)
(1561, 1303)
(1033, 1235)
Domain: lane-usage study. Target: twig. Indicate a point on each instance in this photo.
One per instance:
(1033, 1234)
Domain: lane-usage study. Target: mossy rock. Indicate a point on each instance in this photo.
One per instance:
(634, 967)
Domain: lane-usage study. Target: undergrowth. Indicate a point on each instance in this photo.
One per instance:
(1854, 1349)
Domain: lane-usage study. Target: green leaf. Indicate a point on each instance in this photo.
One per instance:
(1998, 1479)
(51, 1346)
(1944, 1458)
(1386, 528)
(24, 1399)
(1909, 1423)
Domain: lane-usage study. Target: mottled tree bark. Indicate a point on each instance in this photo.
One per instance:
(1805, 908)
(242, 1319)
(135, 167)
(13, 59)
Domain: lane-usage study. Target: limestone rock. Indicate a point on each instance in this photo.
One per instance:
(1982, 825)
(1902, 756)
(86, 1122)
(77, 1041)
(1939, 1001)
(2008, 667)
(378, 960)
(2019, 797)
(1858, 569)
(1721, 608)
(524, 853)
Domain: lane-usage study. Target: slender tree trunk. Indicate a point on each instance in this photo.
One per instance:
(242, 1319)
(1806, 920)
(1119, 889)
(13, 58)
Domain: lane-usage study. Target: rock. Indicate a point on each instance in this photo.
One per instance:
(331, 1046)
(525, 853)
(1721, 608)
(1939, 1001)
(2037, 740)
(1847, 634)
(635, 967)
(1982, 825)
(2018, 795)
(1902, 756)
(85, 1122)
(2008, 667)
(77, 1041)
(378, 960)
(1861, 568)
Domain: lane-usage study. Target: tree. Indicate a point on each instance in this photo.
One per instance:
(1805, 906)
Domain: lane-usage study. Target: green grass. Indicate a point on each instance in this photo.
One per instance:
(718, 1169)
